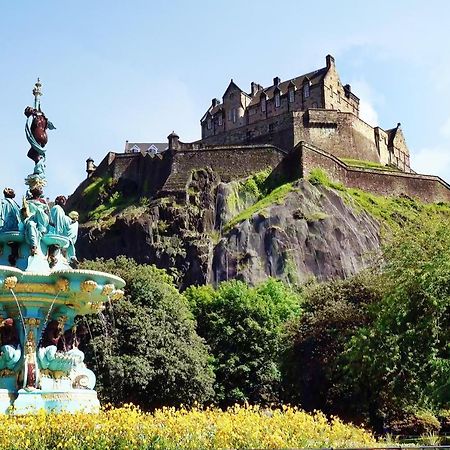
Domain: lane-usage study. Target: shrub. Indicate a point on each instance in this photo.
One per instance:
(243, 326)
(144, 348)
(415, 423)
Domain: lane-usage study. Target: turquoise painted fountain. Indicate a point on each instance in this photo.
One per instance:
(42, 292)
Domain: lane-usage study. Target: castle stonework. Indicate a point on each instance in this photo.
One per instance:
(291, 127)
(315, 108)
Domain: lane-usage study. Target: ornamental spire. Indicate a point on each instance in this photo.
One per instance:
(37, 93)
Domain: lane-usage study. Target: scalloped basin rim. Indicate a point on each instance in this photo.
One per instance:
(67, 273)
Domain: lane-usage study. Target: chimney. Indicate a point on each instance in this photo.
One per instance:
(90, 167)
(330, 61)
(215, 102)
(276, 81)
(254, 88)
(173, 141)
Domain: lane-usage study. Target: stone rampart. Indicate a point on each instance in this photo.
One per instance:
(427, 188)
(228, 162)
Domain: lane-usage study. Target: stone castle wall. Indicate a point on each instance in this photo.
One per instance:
(427, 188)
(340, 133)
(229, 163)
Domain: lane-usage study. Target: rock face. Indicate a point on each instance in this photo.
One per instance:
(311, 232)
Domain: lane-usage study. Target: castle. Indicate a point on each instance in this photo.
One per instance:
(292, 126)
(315, 108)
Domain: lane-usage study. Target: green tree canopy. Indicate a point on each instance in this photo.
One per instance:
(332, 313)
(243, 326)
(402, 360)
(144, 348)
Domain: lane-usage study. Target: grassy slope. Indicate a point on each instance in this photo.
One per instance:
(393, 212)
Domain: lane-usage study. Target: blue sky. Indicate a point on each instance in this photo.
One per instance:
(136, 70)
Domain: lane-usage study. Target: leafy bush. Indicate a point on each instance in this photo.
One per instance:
(243, 326)
(402, 360)
(313, 366)
(416, 423)
(168, 428)
(144, 348)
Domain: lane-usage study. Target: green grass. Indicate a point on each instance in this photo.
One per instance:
(393, 212)
(274, 197)
(368, 165)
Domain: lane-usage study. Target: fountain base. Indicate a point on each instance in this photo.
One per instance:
(77, 400)
(6, 400)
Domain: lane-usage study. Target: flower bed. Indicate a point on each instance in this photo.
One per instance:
(130, 428)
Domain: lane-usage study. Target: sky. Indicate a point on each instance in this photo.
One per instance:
(114, 71)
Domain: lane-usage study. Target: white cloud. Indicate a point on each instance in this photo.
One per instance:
(433, 161)
(368, 100)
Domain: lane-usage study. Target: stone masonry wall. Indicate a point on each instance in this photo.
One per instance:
(229, 163)
(340, 133)
(426, 188)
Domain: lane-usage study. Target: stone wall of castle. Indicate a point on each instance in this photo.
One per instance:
(228, 163)
(340, 133)
(426, 188)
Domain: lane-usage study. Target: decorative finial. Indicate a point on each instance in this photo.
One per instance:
(37, 93)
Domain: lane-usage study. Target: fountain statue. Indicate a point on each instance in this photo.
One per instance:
(42, 292)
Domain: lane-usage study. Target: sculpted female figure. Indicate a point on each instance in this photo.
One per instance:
(36, 132)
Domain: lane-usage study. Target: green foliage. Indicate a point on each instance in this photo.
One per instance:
(319, 177)
(368, 165)
(275, 196)
(402, 361)
(144, 348)
(244, 327)
(332, 313)
(415, 423)
(395, 213)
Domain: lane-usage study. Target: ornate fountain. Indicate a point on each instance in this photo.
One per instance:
(41, 293)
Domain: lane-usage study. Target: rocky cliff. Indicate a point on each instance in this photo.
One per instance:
(215, 231)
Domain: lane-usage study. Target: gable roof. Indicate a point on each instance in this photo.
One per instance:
(313, 77)
(233, 86)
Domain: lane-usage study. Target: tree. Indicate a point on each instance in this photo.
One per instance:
(243, 326)
(312, 369)
(402, 360)
(144, 348)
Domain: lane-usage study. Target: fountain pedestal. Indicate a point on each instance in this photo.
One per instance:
(41, 366)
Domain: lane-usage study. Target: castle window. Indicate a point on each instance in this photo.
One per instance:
(339, 97)
(291, 95)
(331, 91)
(220, 120)
(135, 149)
(263, 104)
(277, 100)
(306, 90)
(234, 115)
(209, 123)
